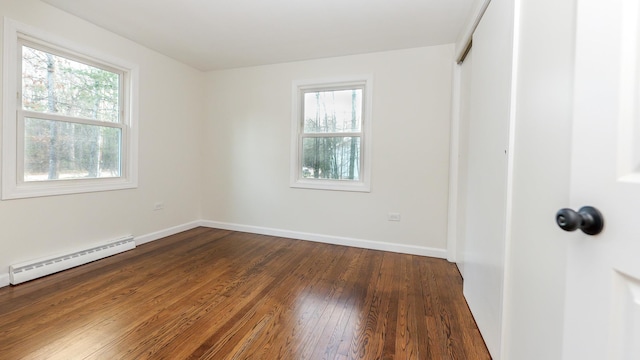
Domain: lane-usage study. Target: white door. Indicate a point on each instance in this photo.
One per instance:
(486, 189)
(489, 109)
(602, 312)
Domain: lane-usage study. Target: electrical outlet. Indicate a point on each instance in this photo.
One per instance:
(393, 216)
(158, 206)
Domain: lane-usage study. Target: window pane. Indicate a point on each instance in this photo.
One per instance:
(60, 150)
(57, 85)
(335, 158)
(333, 111)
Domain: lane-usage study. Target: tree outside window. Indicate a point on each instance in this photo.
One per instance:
(75, 142)
(69, 120)
(331, 127)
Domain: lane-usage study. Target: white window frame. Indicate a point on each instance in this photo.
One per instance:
(299, 87)
(13, 184)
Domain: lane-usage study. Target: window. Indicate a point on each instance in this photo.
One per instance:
(331, 139)
(68, 129)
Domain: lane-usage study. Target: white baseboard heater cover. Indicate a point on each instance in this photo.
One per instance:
(29, 270)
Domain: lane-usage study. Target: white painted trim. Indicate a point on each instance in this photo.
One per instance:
(329, 239)
(143, 239)
(454, 164)
(12, 188)
(4, 279)
(9, 143)
(295, 180)
(464, 41)
(507, 282)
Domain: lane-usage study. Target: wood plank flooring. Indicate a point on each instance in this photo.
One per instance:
(216, 294)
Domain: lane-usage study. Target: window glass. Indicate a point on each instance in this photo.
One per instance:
(331, 142)
(58, 85)
(335, 158)
(56, 150)
(333, 111)
(72, 126)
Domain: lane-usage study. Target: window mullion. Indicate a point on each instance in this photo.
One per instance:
(328, 158)
(330, 135)
(69, 119)
(90, 129)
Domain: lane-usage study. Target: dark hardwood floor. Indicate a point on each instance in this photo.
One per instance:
(216, 294)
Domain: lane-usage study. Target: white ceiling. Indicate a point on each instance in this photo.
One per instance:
(221, 34)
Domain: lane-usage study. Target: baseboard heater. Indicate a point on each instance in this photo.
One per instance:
(29, 270)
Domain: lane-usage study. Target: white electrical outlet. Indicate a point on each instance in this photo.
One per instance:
(158, 206)
(393, 216)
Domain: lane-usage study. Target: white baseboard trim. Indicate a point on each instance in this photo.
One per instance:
(4, 280)
(142, 239)
(328, 239)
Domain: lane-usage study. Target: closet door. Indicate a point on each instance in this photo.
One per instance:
(487, 170)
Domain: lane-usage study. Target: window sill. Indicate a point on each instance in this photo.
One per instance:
(65, 187)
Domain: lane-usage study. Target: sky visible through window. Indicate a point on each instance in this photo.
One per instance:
(333, 111)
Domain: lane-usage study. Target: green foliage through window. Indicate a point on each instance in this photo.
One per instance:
(72, 123)
(331, 136)
(63, 150)
(57, 85)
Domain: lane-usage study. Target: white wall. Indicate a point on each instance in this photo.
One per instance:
(239, 141)
(170, 117)
(248, 143)
(233, 127)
